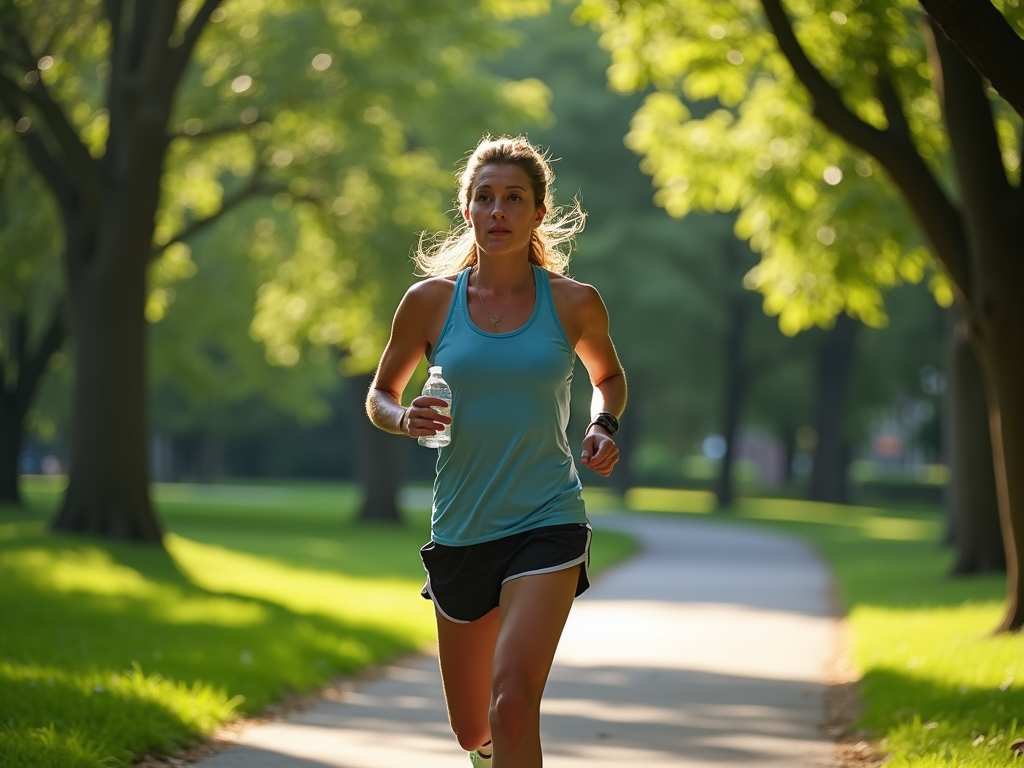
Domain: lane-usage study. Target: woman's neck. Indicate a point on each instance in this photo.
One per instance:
(500, 275)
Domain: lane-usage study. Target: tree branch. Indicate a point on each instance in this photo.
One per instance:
(31, 367)
(81, 165)
(58, 179)
(217, 130)
(253, 186)
(938, 217)
(985, 38)
(183, 53)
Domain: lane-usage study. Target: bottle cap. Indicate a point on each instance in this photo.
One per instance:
(434, 369)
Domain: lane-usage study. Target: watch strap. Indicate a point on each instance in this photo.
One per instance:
(607, 421)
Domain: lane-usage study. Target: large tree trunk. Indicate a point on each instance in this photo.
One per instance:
(380, 465)
(831, 454)
(108, 492)
(1007, 426)
(989, 293)
(973, 505)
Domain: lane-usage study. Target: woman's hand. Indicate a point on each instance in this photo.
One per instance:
(599, 451)
(422, 420)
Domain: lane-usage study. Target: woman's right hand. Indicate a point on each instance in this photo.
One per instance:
(421, 420)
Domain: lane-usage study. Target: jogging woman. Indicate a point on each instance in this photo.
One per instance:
(510, 540)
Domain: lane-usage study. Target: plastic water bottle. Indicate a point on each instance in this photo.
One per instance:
(435, 386)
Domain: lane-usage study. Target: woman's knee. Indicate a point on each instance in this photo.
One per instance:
(515, 709)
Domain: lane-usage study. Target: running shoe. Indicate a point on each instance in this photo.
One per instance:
(480, 760)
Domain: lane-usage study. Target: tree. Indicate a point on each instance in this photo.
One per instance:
(32, 322)
(194, 109)
(829, 131)
(987, 40)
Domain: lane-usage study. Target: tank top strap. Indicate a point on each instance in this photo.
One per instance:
(547, 299)
(453, 309)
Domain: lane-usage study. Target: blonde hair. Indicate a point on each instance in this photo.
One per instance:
(447, 253)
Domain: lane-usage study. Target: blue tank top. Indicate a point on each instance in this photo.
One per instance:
(508, 467)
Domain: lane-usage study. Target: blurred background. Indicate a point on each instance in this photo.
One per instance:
(784, 327)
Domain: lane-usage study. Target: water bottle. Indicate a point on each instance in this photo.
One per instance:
(435, 386)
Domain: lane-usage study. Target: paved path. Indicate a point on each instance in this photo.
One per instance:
(708, 650)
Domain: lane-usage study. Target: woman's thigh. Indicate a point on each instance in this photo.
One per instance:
(533, 613)
(466, 655)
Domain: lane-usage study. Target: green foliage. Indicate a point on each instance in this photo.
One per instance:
(728, 127)
(311, 141)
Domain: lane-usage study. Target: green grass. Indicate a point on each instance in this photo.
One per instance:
(109, 651)
(938, 688)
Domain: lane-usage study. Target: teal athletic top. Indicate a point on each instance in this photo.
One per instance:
(507, 468)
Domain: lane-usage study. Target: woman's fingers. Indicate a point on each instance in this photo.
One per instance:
(423, 419)
(600, 454)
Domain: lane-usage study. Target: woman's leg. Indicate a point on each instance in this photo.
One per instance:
(533, 613)
(466, 654)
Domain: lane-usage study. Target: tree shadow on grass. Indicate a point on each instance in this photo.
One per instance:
(909, 698)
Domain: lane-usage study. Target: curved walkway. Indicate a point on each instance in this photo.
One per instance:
(707, 650)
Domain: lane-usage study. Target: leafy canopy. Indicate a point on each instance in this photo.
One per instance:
(728, 127)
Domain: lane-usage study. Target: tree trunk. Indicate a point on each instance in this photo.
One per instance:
(108, 491)
(16, 400)
(736, 380)
(1007, 426)
(990, 293)
(12, 430)
(108, 256)
(831, 454)
(788, 438)
(974, 506)
(380, 464)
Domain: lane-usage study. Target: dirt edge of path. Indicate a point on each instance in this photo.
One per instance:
(855, 748)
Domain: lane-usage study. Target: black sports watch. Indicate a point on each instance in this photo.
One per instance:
(606, 420)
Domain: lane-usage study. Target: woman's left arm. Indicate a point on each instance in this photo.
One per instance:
(597, 352)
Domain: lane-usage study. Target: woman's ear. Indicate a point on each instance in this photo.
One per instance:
(465, 215)
(541, 212)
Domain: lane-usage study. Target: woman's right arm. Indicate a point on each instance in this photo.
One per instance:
(407, 344)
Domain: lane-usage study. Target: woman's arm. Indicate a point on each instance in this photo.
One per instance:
(414, 319)
(597, 352)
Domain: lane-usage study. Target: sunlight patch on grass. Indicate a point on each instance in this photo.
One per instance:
(383, 602)
(670, 500)
(870, 522)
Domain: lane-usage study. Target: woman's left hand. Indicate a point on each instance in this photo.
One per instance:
(599, 452)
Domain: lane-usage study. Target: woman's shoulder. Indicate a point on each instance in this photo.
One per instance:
(431, 289)
(571, 291)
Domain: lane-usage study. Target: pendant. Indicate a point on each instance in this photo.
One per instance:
(494, 320)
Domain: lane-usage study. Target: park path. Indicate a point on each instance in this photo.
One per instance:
(709, 649)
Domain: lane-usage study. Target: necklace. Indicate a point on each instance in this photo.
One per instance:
(495, 319)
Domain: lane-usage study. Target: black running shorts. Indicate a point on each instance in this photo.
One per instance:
(465, 582)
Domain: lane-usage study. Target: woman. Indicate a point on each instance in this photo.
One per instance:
(509, 536)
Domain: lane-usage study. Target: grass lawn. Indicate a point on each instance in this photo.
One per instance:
(938, 689)
(109, 651)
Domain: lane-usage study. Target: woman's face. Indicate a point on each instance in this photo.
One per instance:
(502, 210)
